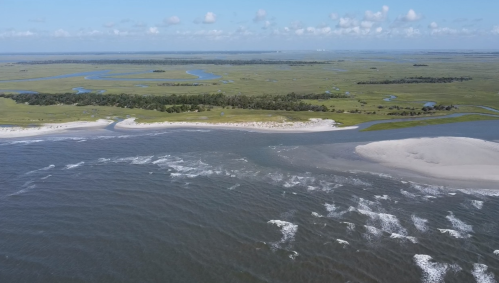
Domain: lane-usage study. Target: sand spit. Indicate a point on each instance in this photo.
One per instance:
(313, 125)
(17, 132)
(452, 158)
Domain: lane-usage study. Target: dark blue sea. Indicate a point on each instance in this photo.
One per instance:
(187, 205)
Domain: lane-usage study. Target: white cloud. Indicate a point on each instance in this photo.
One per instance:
(378, 16)
(333, 16)
(366, 24)
(379, 29)
(411, 16)
(267, 24)
(210, 18)
(495, 30)
(119, 32)
(61, 33)
(261, 15)
(109, 25)
(173, 20)
(16, 34)
(300, 31)
(411, 32)
(153, 30)
(433, 25)
(347, 22)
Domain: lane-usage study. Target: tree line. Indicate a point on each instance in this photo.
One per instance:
(174, 62)
(418, 80)
(179, 103)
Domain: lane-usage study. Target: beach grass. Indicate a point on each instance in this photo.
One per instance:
(429, 122)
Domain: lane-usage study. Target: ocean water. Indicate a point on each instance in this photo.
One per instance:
(186, 205)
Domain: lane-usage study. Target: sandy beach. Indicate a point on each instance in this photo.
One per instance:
(17, 132)
(313, 125)
(453, 158)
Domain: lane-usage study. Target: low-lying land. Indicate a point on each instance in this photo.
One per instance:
(254, 89)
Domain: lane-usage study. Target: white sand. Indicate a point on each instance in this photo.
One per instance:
(314, 125)
(16, 132)
(443, 157)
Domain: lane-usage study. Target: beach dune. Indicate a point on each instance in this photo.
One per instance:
(453, 158)
(17, 132)
(313, 125)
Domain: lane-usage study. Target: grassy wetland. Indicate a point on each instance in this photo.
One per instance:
(351, 103)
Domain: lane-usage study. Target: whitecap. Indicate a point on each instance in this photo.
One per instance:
(46, 177)
(288, 231)
(402, 237)
(459, 224)
(388, 222)
(372, 232)
(103, 160)
(25, 142)
(453, 233)
(332, 211)
(477, 203)
(293, 255)
(383, 197)
(481, 192)
(408, 194)
(481, 275)
(496, 252)
(72, 166)
(428, 189)
(420, 223)
(42, 169)
(432, 271)
(350, 226)
(342, 242)
(317, 214)
(234, 187)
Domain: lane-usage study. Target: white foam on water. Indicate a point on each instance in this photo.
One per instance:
(293, 255)
(72, 166)
(428, 189)
(433, 272)
(477, 203)
(402, 237)
(350, 226)
(453, 233)
(408, 194)
(459, 224)
(42, 169)
(317, 214)
(234, 187)
(496, 252)
(333, 211)
(24, 142)
(342, 242)
(372, 232)
(452, 194)
(388, 222)
(140, 160)
(46, 177)
(383, 197)
(481, 275)
(288, 231)
(480, 192)
(103, 160)
(430, 197)
(419, 223)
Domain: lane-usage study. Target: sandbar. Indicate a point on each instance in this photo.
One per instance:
(453, 158)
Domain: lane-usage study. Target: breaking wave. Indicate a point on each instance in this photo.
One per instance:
(72, 166)
(481, 275)
(288, 231)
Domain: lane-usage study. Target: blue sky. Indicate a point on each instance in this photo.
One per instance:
(146, 25)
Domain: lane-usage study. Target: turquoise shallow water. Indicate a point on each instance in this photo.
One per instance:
(231, 206)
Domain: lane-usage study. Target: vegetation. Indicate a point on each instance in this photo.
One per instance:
(177, 62)
(418, 80)
(290, 102)
(420, 65)
(158, 71)
(186, 84)
(428, 122)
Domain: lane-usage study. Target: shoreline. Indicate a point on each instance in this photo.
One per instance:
(313, 125)
(45, 129)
